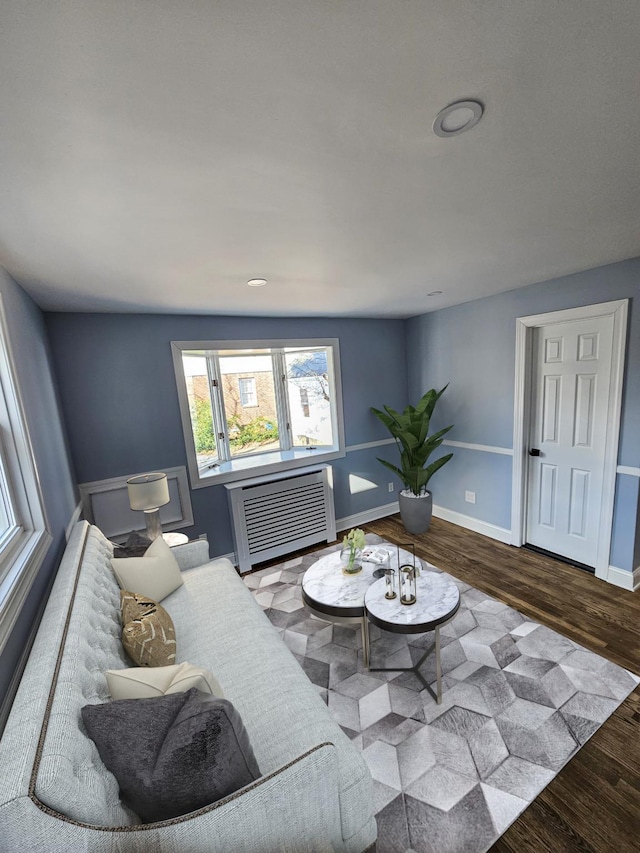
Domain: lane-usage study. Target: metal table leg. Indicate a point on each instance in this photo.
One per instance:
(434, 647)
(347, 620)
(366, 645)
(438, 667)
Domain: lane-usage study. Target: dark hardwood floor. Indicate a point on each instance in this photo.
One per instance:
(593, 804)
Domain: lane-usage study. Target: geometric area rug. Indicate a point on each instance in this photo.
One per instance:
(518, 701)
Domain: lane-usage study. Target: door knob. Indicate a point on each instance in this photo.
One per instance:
(534, 452)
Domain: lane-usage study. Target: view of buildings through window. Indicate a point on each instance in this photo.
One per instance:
(256, 401)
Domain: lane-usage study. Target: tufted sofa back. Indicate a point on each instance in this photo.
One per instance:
(46, 757)
(71, 777)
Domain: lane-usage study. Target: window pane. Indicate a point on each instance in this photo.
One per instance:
(310, 396)
(6, 513)
(9, 526)
(198, 393)
(249, 401)
(248, 395)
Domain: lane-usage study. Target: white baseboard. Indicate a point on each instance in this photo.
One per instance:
(76, 515)
(475, 524)
(625, 580)
(618, 577)
(374, 514)
(483, 527)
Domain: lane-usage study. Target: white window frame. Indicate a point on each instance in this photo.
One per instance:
(270, 462)
(25, 544)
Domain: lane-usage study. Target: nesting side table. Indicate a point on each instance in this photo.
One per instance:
(438, 600)
(339, 598)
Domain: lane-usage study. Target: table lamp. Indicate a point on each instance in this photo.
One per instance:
(148, 492)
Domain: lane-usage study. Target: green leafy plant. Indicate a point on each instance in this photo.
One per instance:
(354, 541)
(411, 432)
(258, 431)
(203, 427)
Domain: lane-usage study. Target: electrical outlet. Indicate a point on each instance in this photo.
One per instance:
(390, 487)
(470, 497)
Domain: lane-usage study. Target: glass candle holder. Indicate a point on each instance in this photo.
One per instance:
(407, 584)
(390, 583)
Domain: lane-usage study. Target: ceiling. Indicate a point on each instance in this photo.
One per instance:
(155, 155)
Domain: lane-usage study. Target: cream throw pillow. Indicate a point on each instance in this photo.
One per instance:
(145, 683)
(156, 574)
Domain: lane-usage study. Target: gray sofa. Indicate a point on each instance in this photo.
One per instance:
(55, 793)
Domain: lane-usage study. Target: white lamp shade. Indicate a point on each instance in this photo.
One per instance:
(148, 491)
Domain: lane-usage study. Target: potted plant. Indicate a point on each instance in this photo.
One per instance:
(411, 432)
(350, 555)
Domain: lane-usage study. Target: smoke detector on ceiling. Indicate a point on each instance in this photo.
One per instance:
(458, 117)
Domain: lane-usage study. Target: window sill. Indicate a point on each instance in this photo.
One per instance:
(19, 579)
(266, 463)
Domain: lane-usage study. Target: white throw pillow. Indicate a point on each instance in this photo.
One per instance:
(143, 682)
(156, 574)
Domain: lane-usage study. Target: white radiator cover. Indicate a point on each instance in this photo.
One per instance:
(275, 515)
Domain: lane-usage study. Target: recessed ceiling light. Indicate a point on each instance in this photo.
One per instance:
(458, 117)
(257, 282)
(435, 293)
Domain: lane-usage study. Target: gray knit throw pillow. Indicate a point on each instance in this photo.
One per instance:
(172, 754)
(135, 546)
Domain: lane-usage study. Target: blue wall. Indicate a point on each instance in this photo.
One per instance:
(29, 344)
(120, 403)
(117, 392)
(472, 346)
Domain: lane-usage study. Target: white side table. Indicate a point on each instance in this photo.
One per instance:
(173, 539)
(335, 597)
(438, 600)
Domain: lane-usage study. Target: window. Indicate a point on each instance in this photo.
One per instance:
(248, 392)
(9, 527)
(251, 407)
(23, 534)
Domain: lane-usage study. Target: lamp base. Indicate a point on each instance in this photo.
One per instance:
(154, 528)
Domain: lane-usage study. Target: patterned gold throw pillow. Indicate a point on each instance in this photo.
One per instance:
(133, 605)
(148, 635)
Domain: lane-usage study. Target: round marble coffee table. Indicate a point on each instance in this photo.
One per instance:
(438, 600)
(335, 597)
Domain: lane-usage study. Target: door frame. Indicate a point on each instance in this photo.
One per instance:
(525, 327)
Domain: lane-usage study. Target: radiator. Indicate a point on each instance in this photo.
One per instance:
(273, 516)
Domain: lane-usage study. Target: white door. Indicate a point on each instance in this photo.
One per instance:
(571, 371)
